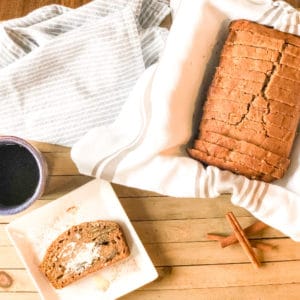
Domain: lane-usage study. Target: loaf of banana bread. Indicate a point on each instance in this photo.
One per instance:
(250, 117)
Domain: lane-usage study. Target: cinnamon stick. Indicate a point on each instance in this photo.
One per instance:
(250, 230)
(255, 244)
(215, 237)
(262, 246)
(244, 242)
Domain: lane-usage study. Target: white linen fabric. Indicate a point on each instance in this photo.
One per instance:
(64, 71)
(89, 76)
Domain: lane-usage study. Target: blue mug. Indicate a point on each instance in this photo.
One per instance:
(23, 174)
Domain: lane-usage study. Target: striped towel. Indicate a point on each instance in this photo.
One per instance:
(145, 146)
(64, 71)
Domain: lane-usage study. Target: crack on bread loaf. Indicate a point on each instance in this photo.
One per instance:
(244, 116)
(265, 86)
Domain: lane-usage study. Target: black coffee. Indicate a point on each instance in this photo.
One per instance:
(19, 174)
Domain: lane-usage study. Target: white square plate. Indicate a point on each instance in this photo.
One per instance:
(32, 233)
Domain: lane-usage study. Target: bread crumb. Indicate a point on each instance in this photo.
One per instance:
(101, 283)
(72, 210)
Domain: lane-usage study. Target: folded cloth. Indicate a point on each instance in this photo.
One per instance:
(145, 146)
(64, 71)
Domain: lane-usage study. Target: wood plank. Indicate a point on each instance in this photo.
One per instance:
(192, 253)
(60, 164)
(4, 241)
(191, 230)
(21, 281)
(270, 291)
(46, 147)
(142, 208)
(59, 185)
(227, 275)
(146, 208)
(125, 191)
(205, 253)
(295, 3)
(161, 208)
(194, 277)
(35, 205)
(171, 231)
(19, 296)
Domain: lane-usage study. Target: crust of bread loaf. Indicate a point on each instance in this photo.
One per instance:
(258, 166)
(289, 60)
(290, 73)
(243, 123)
(284, 84)
(276, 119)
(235, 117)
(216, 92)
(225, 106)
(251, 113)
(83, 249)
(246, 25)
(271, 158)
(291, 98)
(230, 83)
(230, 118)
(228, 165)
(292, 50)
(258, 104)
(274, 106)
(234, 72)
(249, 135)
(251, 38)
(250, 64)
(250, 52)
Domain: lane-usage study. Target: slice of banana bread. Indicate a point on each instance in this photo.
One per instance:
(83, 249)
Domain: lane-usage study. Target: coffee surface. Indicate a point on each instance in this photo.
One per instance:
(19, 175)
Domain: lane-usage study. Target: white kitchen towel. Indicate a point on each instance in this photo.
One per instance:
(64, 71)
(145, 146)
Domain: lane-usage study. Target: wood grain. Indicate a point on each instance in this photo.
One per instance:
(200, 276)
(190, 253)
(269, 291)
(174, 231)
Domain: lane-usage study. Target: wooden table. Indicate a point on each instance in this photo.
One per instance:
(172, 230)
